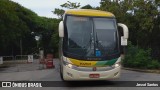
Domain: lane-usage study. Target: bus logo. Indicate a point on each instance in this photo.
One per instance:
(6, 84)
(94, 69)
(85, 64)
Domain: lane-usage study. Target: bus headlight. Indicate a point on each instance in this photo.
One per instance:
(69, 65)
(116, 65)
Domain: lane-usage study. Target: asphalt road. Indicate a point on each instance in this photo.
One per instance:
(31, 74)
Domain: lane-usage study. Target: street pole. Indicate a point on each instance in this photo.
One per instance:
(21, 47)
(37, 39)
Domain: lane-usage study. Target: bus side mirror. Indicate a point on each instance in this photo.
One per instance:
(125, 34)
(61, 29)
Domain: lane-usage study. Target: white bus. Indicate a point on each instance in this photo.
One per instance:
(89, 47)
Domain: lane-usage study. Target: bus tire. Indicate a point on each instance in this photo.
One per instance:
(61, 73)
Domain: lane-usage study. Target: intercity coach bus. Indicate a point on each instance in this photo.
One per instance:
(90, 45)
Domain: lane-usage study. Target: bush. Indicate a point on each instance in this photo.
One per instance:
(139, 58)
(154, 65)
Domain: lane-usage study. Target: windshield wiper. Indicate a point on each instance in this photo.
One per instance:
(98, 46)
(90, 46)
(97, 41)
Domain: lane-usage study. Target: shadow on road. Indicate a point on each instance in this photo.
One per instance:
(87, 84)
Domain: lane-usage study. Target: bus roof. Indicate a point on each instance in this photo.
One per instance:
(89, 12)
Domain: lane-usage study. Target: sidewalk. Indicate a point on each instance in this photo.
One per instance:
(142, 70)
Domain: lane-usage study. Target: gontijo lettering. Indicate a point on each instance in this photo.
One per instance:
(85, 64)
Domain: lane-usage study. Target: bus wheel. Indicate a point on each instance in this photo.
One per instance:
(61, 73)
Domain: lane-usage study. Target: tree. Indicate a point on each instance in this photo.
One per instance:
(67, 5)
(71, 5)
(21, 25)
(142, 21)
(59, 12)
(87, 7)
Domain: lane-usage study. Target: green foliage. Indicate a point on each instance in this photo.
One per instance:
(142, 19)
(154, 65)
(59, 12)
(67, 5)
(18, 23)
(139, 58)
(71, 5)
(13, 27)
(87, 7)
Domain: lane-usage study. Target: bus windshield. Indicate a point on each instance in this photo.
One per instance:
(90, 36)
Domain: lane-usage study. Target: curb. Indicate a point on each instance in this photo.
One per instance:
(142, 70)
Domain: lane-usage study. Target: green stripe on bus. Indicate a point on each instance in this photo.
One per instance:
(108, 62)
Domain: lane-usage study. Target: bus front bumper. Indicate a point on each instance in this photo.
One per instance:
(70, 74)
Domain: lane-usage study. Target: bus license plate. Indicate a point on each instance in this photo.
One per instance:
(94, 75)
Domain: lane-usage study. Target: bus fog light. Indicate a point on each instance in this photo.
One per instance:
(69, 74)
(116, 73)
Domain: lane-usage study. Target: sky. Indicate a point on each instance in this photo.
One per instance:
(45, 7)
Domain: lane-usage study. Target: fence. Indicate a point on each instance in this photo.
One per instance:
(20, 63)
(7, 58)
(17, 59)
